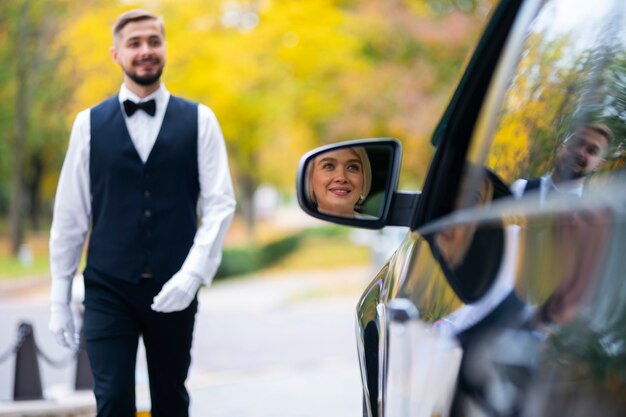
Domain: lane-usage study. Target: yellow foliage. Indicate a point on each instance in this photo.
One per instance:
(282, 76)
(509, 150)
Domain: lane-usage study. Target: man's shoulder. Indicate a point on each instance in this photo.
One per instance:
(532, 184)
(181, 104)
(190, 102)
(523, 185)
(183, 100)
(203, 110)
(107, 102)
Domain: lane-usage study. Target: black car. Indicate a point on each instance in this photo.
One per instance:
(507, 296)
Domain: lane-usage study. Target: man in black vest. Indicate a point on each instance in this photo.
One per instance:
(136, 165)
(577, 157)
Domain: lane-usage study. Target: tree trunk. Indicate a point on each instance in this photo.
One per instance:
(247, 186)
(16, 216)
(34, 190)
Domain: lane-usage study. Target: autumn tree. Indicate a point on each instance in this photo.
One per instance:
(286, 76)
(414, 54)
(33, 98)
(272, 73)
(268, 70)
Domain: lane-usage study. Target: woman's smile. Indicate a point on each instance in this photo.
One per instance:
(340, 190)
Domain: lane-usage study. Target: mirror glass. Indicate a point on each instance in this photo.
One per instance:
(349, 181)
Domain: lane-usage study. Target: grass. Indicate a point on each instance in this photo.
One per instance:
(12, 268)
(323, 252)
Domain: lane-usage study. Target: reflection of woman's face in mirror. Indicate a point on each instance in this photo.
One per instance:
(337, 181)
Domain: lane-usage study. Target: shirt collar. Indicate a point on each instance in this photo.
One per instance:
(160, 95)
(572, 187)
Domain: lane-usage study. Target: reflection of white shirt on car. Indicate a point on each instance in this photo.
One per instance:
(547, 185)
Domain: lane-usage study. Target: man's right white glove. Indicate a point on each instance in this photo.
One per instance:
(62, 325)
(61, 322)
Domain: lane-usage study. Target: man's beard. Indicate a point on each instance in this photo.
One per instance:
(577, 175)
(565, 173)
(146, 80)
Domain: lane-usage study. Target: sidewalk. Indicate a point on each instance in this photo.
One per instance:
(264, 345)
(24, 287)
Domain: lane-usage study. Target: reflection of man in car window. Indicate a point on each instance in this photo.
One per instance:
(577, 157)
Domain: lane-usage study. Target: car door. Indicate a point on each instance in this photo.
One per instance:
(509, 304)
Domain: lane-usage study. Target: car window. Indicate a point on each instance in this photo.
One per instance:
(527, 267)
(550, 130)
(559, 130)
(454, 132)
(564, 111)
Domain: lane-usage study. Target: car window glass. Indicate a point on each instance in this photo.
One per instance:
(557, 133)
(558, 139)
(533, 250)
(564, 112)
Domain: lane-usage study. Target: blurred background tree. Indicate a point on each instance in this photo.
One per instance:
(33, 99)
(282, 76)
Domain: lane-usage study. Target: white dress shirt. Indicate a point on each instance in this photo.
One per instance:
(72, 207)
(546, 185)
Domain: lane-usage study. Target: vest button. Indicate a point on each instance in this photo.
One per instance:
(146, 193)
(147, 213)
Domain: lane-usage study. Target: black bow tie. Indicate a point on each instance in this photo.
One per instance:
(130, 107)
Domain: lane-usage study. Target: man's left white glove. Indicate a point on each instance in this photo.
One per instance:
(177, 293)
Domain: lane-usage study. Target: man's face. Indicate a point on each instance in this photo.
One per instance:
(582, 154)
(140, 51)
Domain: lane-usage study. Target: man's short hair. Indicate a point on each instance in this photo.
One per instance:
(601, 129)
(135, 15)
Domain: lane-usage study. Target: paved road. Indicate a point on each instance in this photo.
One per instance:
(274, 345)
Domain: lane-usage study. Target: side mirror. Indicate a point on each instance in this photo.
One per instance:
(352, 182)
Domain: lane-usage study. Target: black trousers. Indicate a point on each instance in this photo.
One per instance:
(117, 313)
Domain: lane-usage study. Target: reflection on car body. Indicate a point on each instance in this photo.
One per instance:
(506, 298)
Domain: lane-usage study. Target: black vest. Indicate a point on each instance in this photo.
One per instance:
(143, 215)
(532, 184)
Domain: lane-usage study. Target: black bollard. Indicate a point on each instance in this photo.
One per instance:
(27, 385)
(84, 378)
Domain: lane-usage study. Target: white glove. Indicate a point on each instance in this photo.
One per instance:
(61, 322)
(62, 326)
(177, 293)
